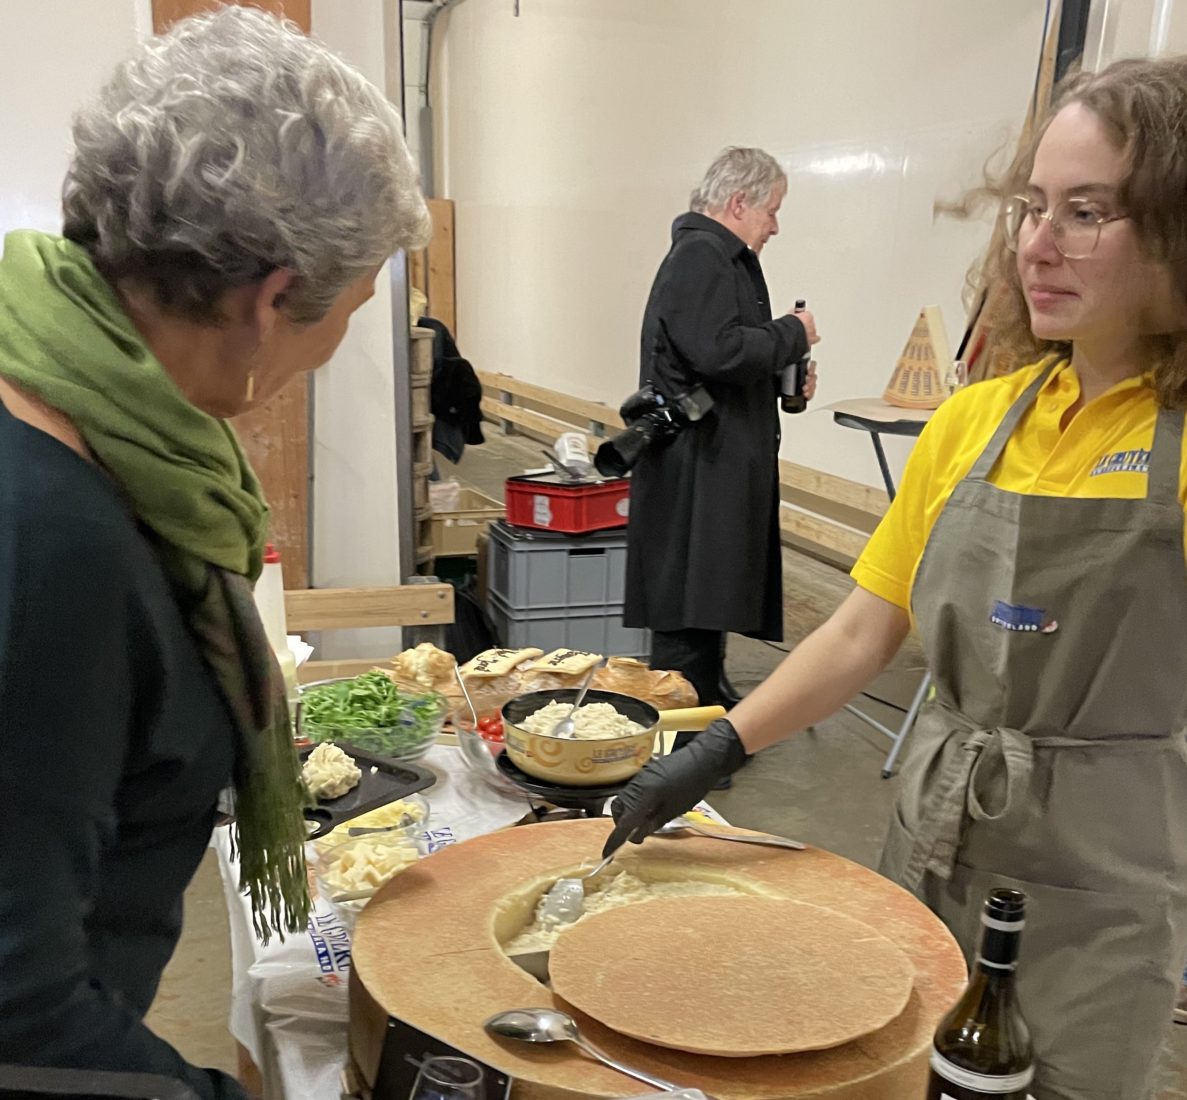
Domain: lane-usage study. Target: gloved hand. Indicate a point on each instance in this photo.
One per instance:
(671, 785)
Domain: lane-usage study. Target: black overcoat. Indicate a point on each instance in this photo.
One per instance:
(703, 535)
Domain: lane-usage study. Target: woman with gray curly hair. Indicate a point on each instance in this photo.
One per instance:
(234, 192)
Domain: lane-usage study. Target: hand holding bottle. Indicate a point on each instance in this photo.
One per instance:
(808, 320)
(810, 381)
(797, 381)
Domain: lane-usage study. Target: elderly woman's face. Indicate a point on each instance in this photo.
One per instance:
(288, 349)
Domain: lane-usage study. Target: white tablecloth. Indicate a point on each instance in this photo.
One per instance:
(289, 1000)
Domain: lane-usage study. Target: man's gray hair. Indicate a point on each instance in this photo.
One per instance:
(753, 172)
(230, 147)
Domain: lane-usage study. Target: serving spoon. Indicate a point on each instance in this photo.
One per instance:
(547, 1025)
(567, 726)
(565, 900)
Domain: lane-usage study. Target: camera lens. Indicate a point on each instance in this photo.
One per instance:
(617, 456)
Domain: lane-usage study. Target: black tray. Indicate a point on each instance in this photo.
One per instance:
(391, 781)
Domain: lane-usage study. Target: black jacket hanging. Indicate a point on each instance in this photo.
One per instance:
(455, 397)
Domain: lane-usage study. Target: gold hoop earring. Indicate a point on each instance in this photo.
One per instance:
(251, 386)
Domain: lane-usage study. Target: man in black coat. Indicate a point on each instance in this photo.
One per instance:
(703, 541)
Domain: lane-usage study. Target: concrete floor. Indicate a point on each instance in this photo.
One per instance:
(823, 786)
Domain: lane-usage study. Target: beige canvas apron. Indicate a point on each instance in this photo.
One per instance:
(1053, 757)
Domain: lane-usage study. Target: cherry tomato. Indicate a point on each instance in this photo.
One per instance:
(491, 728)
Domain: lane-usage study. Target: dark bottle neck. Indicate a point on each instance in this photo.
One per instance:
(990, 991)
(1000, 941)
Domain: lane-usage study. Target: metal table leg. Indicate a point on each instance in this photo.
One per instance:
(884, 466)
(899, 736)
(908, 722)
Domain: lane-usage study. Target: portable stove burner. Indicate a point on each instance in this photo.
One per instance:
(589, 800)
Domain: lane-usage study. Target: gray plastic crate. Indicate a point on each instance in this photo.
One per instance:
(593, 630)
(528, 570)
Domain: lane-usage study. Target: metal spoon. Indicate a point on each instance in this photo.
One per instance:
(565, 901)
(681, 825)
(457, 671)
(547, 1025)
(566, 727)
(474, 750)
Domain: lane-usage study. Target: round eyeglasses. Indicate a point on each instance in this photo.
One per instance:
(1075, 224)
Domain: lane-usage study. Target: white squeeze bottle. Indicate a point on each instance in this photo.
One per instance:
(269, 594)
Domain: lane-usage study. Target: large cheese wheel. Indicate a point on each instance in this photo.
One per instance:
(426, 949)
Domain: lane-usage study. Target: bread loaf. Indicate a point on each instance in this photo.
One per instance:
(530, 670)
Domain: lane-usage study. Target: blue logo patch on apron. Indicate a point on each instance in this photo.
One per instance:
(1011, 616)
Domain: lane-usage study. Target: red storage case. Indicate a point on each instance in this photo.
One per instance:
(548, 503)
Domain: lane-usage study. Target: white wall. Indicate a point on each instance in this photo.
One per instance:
(355, 488)
(54, 55)
(1126, 28)
(571, 136)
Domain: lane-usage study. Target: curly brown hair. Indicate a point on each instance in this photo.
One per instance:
(1143, 105)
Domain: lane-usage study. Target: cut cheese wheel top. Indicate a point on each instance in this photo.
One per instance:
(732, 976)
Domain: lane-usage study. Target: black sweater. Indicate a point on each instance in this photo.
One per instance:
(116, 744)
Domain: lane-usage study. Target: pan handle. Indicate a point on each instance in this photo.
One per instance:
(690, 720)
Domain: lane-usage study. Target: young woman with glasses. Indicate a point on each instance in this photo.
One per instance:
(1037, 544)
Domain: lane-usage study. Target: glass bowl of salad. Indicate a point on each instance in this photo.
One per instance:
(373, 713)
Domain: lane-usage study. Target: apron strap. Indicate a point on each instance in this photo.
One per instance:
(984, 465)
(954, 797)
(1162, 482)
(961, 791)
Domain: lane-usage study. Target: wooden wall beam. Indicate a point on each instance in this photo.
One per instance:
(544, 428)
(821, 538)
(349, 608)
(276, 440)
(431, 270)
(167, 12)
(313, 671)
(577, 408)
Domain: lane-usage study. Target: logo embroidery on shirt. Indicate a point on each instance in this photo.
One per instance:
(1015, 617)
(1123, 462)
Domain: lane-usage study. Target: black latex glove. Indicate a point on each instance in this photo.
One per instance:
(671, 785)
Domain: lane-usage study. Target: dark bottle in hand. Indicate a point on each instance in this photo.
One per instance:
(795, 377)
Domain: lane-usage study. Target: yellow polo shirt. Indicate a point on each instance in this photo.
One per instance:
(1102, 452)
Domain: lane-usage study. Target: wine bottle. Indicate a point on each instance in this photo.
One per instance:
(982, 1048)
(795, 376)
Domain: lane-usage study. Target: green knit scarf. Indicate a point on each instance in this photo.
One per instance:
(65, 338)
